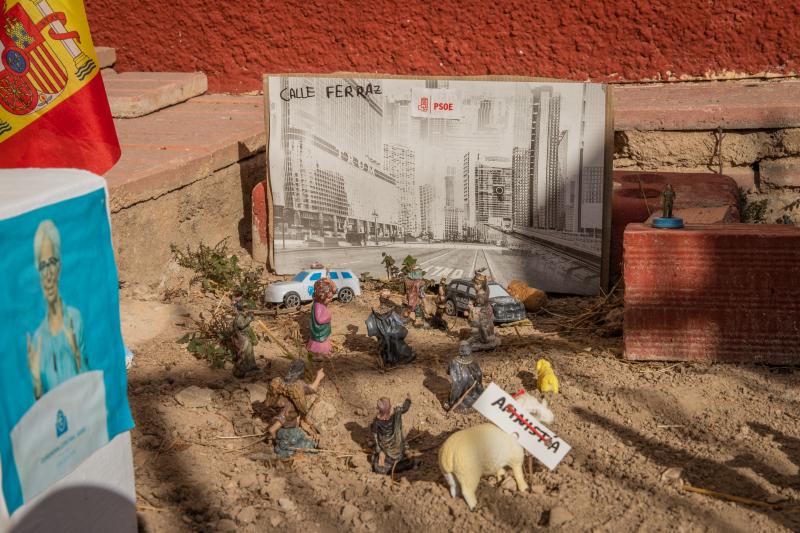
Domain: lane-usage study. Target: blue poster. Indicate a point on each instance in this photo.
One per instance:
(62, 368)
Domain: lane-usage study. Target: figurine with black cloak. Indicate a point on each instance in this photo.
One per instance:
(437, 321)
(466, 379)
(390, 443)
(391, 333)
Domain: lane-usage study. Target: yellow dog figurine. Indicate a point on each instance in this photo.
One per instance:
(546, 379)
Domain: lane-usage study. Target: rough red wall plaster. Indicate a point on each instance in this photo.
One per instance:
(234, 42)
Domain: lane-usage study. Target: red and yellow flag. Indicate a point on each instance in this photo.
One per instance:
(54, 110)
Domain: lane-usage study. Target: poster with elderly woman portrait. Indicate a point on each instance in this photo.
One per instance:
(62, 370)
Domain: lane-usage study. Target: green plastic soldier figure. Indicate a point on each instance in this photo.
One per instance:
(667, 198)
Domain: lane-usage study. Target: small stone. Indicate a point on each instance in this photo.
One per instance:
(671, 475)
(275, 520)
(247, 480)
(538, 489)
(257, 391)
(508, 483)
(321, 412)
(559, 515)
(247, 515)
(349, 494)
(225, 525)
(286, 504)
(193, 396)
(360, 412)
(776, 498)
(349, 512)
(258, 457)
(150, 441)
(367, 516)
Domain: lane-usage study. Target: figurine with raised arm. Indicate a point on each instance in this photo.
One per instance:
(666, 220)
(319, 342)
(244, 361)
(466, 380)
(390, 444)
(290, 395)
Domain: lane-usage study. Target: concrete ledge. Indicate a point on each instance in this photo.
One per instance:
(106, 56)
(136, 94)
(179, 145)
(706, 106)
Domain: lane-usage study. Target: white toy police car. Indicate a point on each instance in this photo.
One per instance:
(301, 287)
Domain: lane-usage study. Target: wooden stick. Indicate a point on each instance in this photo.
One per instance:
(240, 436)
(729, 497)
(670, 426)
(322, 450)
(461, 399)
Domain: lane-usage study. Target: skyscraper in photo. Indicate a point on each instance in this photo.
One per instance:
(426, 209)
(398, 162)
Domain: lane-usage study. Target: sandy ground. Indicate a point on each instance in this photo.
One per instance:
(734, 429)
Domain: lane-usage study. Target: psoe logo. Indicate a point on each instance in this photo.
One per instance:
(423, 104)
(61, 423)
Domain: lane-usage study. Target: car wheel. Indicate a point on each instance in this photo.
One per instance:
(292, 300)
(450, 308)
(346, 295)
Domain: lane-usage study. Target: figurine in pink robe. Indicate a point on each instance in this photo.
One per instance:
(319, 342)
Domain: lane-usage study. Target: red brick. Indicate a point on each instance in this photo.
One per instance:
(780, 172)
(637, 195)
(712, 293)
(260, 223)
(705, 106)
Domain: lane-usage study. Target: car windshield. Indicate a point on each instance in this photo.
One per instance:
(300, 276)
(497, 291)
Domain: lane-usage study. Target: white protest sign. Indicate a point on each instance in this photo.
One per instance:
(507, 414)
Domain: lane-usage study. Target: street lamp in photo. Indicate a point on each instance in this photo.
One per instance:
(375, 216)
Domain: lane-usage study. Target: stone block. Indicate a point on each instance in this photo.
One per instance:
(784, 172)
(706, 106)
(637, 195)
(106, 56)
(712, 293)
(172, 147)
(136, 94)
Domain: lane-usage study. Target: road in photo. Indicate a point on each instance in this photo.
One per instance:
(532, 263)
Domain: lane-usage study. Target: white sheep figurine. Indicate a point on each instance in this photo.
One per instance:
(486, 450)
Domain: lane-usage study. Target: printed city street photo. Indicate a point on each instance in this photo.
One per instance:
(461, 174)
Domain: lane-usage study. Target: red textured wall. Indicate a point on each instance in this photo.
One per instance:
(234, 42)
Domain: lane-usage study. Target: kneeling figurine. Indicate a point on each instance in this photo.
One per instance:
(289, 394)
(466, 380)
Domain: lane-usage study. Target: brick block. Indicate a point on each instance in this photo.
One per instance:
(712, 293)
(783, 172)
(260, 223)
(106, 56)
(637, 195)
(136, 94)
(705, 106)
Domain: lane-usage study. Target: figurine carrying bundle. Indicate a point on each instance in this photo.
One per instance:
(244, 360)
(290, 395)
(481, 316)
(319, 342)
(415, 295)
(437, 320)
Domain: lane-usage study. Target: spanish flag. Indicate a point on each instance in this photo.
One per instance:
(54, 111)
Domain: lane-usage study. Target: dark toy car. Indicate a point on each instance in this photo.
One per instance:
(460, 292)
